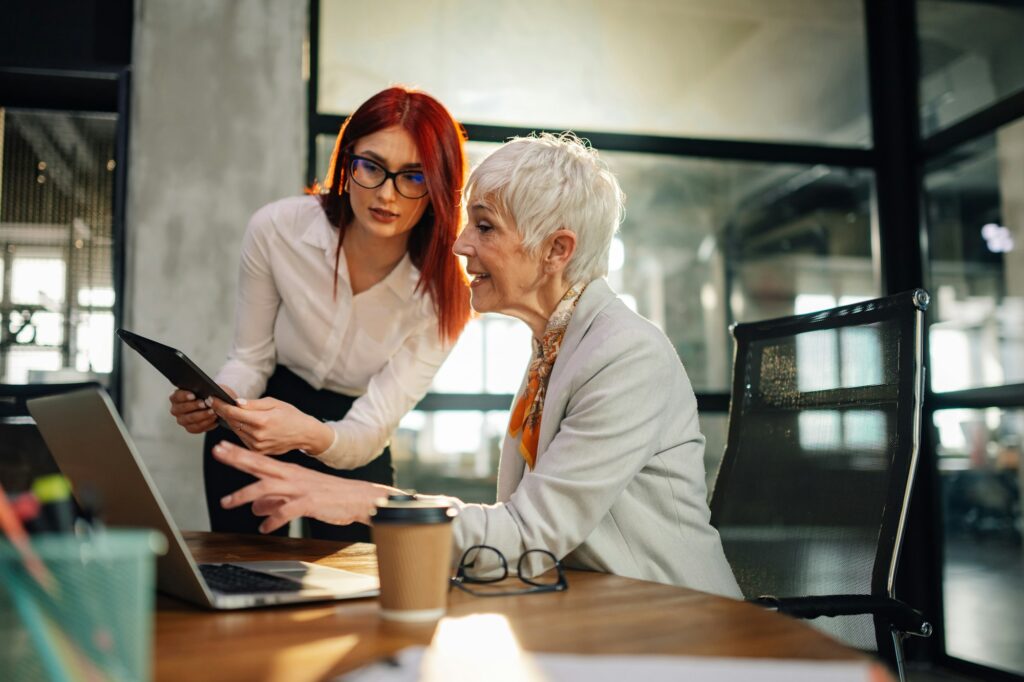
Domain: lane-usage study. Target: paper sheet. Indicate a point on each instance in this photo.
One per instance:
(420, 663)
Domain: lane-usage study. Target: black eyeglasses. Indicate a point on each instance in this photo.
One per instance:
(411, 184)
(483, 565)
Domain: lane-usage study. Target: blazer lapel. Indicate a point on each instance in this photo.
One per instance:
(597, 296)
(512, 467)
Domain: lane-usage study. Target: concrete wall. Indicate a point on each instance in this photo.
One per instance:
(218, 128)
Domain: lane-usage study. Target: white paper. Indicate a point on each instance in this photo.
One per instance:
(420, 663)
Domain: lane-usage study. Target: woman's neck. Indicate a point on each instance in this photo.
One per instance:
(537, 315)
(370, 259)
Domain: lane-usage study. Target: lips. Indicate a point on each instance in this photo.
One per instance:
(383, 215)
(478, 277)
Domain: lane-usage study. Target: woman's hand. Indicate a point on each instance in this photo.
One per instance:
(288, 491)
(193, 413)
(273, 427)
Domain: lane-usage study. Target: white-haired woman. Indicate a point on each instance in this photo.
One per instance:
(602, 464)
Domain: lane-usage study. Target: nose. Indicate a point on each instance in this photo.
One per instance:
(460, 246)
(389, 189)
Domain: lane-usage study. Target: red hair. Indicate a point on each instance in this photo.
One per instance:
(440, 141)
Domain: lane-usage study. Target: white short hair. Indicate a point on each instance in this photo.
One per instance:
(549, 182)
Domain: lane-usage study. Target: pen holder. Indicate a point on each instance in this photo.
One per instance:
(91, 618)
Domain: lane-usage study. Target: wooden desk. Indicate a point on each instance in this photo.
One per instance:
(599, 613)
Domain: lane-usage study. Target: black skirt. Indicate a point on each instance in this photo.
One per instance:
(221, 479)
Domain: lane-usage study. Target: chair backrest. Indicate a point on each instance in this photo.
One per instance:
(824, 424)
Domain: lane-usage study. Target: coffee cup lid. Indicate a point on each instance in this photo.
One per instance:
(411, 509)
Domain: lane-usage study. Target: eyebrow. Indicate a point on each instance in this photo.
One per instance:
(384, 162)
(480, 206)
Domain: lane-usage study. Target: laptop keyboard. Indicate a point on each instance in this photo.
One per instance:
(231, 579)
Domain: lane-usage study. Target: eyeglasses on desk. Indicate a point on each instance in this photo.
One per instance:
(476, 574)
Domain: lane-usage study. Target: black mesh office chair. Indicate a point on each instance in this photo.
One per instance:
(13, 397)
(815, 482)
(23, 454)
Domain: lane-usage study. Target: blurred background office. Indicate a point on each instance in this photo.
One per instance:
(779, 157)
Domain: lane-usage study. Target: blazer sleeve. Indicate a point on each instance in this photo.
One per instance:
(611, 428)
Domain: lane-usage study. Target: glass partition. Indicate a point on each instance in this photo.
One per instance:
(975, 208)
(704, 243)
(450, 452)
(715, 428)
(981, 474)
(708, 242)
(687, 68)
(971, 54)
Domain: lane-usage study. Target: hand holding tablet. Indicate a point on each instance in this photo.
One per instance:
(266, 426)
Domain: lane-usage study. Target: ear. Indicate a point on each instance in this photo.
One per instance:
(561, 245)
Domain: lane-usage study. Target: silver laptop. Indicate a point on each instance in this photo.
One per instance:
(93, 449)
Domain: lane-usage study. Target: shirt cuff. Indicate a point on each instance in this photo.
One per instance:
(334, 442)
(343, 453)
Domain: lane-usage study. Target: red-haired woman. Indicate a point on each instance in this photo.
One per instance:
(348, 303)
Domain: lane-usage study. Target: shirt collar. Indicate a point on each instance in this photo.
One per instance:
(404, 278)
(322, 235)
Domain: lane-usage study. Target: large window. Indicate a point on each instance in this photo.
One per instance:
(972, 55)
(709, 237)
(56, 246)
(972, 81)
(709, 242)
(704, 243)
(762, 181)
(688, 68)
(975, 200)
(976, 238)
(980, 458)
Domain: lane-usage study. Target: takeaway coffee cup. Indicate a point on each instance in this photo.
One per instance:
(414, 556)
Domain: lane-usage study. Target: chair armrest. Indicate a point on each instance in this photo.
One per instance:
(898, 614)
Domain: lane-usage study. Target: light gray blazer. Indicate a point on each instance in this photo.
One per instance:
(619, 481)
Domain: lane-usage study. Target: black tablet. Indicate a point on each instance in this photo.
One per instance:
(176, 366)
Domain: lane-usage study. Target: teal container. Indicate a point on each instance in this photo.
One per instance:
(95, 621)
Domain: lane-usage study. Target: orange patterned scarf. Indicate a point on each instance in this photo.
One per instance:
(524, 423)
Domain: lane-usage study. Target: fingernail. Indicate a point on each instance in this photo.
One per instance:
(190, 396)
(225, 500)
(209, 402)
(242, 401)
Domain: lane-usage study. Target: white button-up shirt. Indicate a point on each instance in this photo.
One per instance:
(381, 345)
